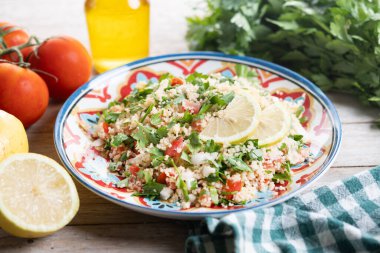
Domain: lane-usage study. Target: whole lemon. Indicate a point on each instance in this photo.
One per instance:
(13, 137)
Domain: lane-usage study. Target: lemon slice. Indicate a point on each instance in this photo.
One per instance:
(235, 123)
(275, 123)
(37, 197)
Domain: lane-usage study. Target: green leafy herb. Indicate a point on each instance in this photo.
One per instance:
(147, 111)
(244, 71)
(151, 189)
(155, 119)
(195, 143)
(296, 137)
(336, 44)
(196, 78)
(222, 100)
(110, 117)
(157, 156)
(287, 176)
(182, 185)
(123, 157)
(147, 176)
(165, 76)
(162, 132)
(118, 139)
(238, 164)
(211, 146)
(214, 195)
(113, 166)
(141, 137)
(187, 118)
(122, 183)
(185, 157)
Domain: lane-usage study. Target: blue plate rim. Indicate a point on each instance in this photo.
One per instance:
(255, 62)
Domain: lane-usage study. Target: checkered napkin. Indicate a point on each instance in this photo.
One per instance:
(342, 217)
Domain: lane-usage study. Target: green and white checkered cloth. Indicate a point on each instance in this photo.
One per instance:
(342, 217)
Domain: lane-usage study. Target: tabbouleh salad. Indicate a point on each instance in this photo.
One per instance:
(156, 140)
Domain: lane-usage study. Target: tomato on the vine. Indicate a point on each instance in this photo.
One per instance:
(14, 36)
(22, 93)
(63, 63)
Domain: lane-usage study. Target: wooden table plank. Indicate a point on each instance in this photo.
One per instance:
(139, 238)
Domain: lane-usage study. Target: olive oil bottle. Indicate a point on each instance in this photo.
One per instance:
(118, 31)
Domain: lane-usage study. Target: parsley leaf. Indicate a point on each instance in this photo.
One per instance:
(222, 100)
(211, 146)
(185, 157)
(119, 139)
(296, 137)
(334, 43)
(162, 132)
(155, 119)
(110, 117)
(195, 143)
(187, 118)
(141, 137)
(151, 189)
(238, 164)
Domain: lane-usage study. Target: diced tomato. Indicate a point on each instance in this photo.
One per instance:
(176, 148)
(134, 169)
(105, 127)
(196, 125)
(233, 186)
(161, 178)
(191, 106)
(176, 81)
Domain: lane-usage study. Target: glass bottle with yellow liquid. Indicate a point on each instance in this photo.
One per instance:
(118, 31)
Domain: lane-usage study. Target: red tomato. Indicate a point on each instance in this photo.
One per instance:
(134, 169)
(105, 127)
(14, 38)
(176, 148)
(196, 125)
(67, 62)
(161, 178)
(22, 93)
(193, 107)
(233, 186)
(176, 81)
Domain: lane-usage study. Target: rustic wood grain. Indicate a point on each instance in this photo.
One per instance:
(168, 237)
(101, 226)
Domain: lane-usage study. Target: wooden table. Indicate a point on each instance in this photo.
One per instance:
(101, 226)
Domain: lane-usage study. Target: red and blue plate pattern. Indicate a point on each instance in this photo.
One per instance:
(80, 113)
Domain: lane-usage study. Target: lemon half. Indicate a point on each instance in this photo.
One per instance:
(13, 137)
(37, 197)
(235, 123)
(275, 123)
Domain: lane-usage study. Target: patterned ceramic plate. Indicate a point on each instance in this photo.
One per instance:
(80, 112)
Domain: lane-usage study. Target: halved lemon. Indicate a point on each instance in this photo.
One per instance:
(37, 196)
(275, 123)
(13, 137)
(235, 123)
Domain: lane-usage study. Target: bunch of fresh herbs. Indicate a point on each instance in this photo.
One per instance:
(335, 43)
